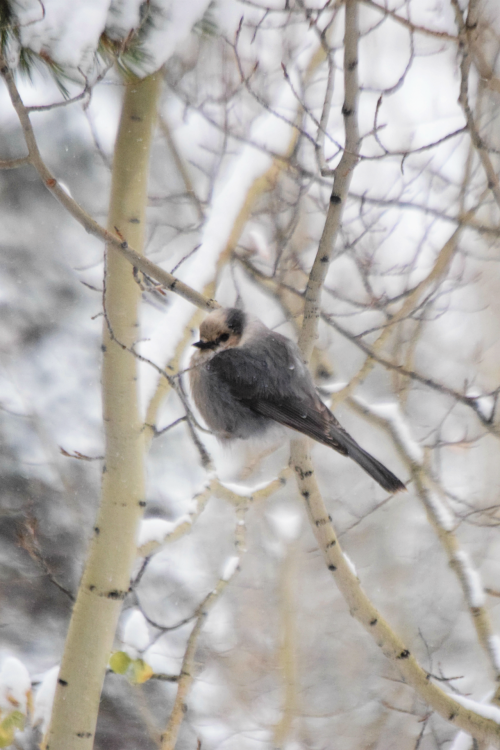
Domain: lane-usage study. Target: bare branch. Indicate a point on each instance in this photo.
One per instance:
(443, 522)
(270, 284)
(367, 615)
(408, 24)
(341, 182)
(87, 222)
(14, 163)
(479, 144)
(169, 737)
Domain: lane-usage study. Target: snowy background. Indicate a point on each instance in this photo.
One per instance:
(280, 644)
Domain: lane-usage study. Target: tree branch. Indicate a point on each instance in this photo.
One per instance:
(362, 609)
(82, 217)
(360, 606)
(341, 182)
(443, 524)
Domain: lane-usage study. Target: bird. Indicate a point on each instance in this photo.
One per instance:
(245, 378)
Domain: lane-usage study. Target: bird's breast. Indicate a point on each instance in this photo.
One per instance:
(227, 416)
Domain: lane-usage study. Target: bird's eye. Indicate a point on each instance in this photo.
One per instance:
(223, 337)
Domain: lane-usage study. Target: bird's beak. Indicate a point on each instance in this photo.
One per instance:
(205, 344)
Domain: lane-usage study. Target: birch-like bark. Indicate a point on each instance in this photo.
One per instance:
(362, 609)
(112, 553)
(360, 606)
(441, 521)
(342, 180)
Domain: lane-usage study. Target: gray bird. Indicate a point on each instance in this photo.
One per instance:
(245, 377)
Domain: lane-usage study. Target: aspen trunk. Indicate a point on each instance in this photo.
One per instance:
(112, 551)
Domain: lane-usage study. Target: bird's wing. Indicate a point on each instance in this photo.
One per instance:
(277, 387)
(311, 418)
(269, 386)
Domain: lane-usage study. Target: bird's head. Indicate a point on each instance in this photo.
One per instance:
(221, 329)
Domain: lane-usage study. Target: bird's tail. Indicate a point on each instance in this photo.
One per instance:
(374, 468)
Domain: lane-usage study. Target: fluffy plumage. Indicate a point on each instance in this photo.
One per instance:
(245, 377)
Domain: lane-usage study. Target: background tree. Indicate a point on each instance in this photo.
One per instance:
(322, 165)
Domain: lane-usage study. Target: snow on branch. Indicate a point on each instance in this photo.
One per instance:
(442, 520)
(155, 532)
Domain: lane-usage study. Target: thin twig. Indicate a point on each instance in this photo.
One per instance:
(479, 144)
(87, 222)
(443, 523)
(186, 676)
(359, 605)
(408, 24)
(28, 541)
(270, 284)
(367, 615)
(14, 163)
